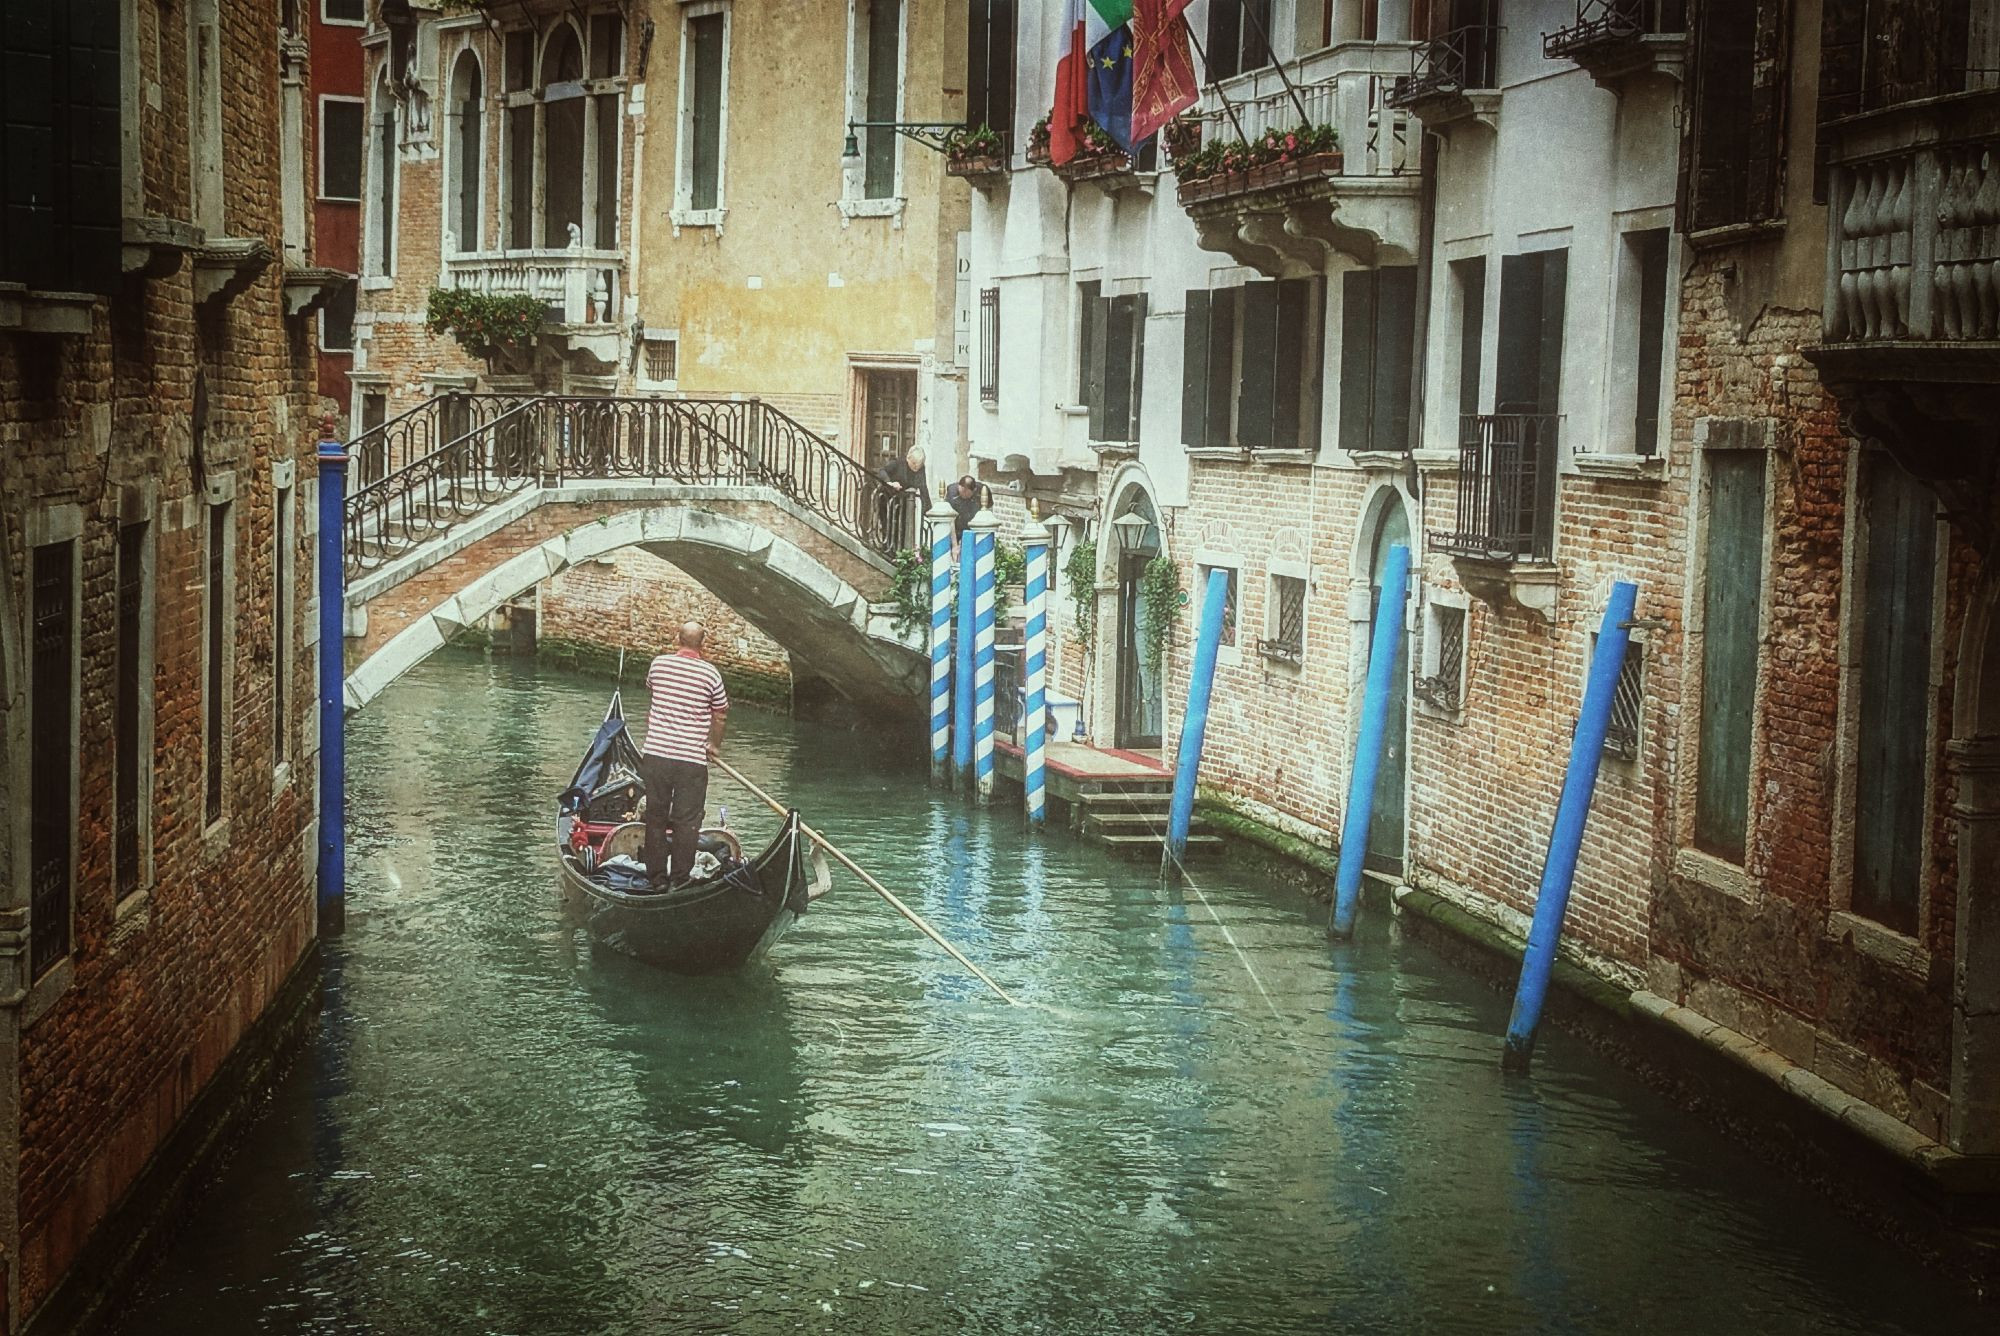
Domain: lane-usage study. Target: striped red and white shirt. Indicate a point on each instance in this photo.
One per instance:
(687, 695)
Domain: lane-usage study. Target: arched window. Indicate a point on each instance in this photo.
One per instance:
(382, 134)
(563, 141)
(466, 119)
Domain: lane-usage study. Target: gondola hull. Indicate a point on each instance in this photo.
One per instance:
(708, 926)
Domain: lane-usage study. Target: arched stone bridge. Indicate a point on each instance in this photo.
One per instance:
(807, 573)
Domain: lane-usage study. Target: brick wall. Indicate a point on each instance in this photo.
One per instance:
(114, 1044)
(633, 600)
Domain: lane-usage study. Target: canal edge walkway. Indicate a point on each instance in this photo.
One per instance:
(1940, 1203)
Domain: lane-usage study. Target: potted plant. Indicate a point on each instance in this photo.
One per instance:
(1038, 143)
(978, 155)
(1182, 138)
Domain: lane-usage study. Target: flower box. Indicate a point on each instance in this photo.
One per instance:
(1038, 154)
(978, 168)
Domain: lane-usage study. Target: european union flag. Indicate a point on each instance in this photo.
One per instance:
(1111, 85)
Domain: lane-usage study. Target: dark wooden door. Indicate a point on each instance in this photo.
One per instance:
(1140, 684)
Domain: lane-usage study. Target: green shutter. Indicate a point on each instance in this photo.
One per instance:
(1357, 356)
(1732, 599)
(1194, 371)
(1258, 383)
(1294, 310)
(1222, 366)
(1395, 339)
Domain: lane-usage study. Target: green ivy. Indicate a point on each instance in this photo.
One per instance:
(910, 591)
(1160, 587)
(1010, 567)
(1081, 573)
(482, 323)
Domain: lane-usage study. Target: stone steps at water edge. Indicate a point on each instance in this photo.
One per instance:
(1152, 845)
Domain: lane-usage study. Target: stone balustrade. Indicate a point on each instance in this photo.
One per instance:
(584, 285)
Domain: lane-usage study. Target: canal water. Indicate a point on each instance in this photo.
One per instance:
(1209, 1120)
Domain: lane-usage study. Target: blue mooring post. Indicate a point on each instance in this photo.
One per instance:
(939, 524)
(1586, 749)
(1034, 673)
(982, 531)
(961, 676)
(1194, 724)
(332, 684)
(1382, 650)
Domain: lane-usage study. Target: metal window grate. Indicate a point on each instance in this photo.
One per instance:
(51, 710)
(1228, 608)
(662, 359)
(1288, 597)
(131, 589)
(989, 345)
(1440, 689)
(1628, 704)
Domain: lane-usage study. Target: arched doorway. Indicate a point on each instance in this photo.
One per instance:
(1387, 826)
(1975, 761)
(1141, 677)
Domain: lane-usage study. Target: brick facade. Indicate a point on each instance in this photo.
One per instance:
(162, 407)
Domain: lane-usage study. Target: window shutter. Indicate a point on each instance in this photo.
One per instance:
(1395, 337)
(1194, 370)
(1554, 304)
(1294, 308)
(1259, 380)
(1117, 372)
(1221, 366)
(1471, 276)
(1094, 359)
(1517, 377)
(1357, 356)
(1138, 364)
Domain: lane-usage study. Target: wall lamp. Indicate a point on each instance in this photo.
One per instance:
(931, 134)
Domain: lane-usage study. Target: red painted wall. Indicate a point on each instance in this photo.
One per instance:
(336, 68)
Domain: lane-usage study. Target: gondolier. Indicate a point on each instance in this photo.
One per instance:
(683, 729)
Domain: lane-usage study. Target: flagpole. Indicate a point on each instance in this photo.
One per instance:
(1227, 106)
(1276, 64)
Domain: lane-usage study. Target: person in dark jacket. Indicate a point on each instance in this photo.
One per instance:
(965, 500)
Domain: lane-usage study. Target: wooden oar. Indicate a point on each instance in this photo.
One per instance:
(872, 884)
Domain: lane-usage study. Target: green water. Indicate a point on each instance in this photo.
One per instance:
(500, 1130)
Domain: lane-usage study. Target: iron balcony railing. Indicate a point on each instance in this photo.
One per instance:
(1601, 22)
(1913, 224)
(1451, 62)
(547, 440)
(1506, 488)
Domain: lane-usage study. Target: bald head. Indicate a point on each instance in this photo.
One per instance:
(692, 634)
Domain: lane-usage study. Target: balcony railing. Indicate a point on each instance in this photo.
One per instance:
(1913, 222)
(1603, 22)
(1345, 87)
(580, 287)
(1452, 62)
(1506, 488)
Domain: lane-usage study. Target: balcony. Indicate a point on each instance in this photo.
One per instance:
(1911, 340)
(1286, 219)
(1503, 541)
(1452, 78)
(1616, 41)
(582, 289)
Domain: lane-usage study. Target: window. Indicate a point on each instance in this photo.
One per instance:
(51, 733)
(61, 192)
(1239, 38)
(1732, 597)
(344, 11)
(704, 100)
(989, 345)
(1628, 702)
(662, 357)
(382, 220)
(562, 137)
(876, 90)
(132, 707)
(336, 321)
(1893, 606)
(989, 65)
(1285, 620)
(1735, 161)
(1468, 286)
(1378, 331)
(1228, 602)
(1533, 297)
(282, 572)
(1111, 357)
(1646, 319)
(1440, 682)
(607, 61)
(215, 713)
(1252, 358)
(340, 135)
(466, 118)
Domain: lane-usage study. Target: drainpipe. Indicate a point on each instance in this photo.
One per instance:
(982, 532)
(332, 885)
(1586, 749)
(939, 520)
(1194, 723)
(1034, 673)
(1382, 650)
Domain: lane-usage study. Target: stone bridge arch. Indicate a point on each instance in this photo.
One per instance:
(803, 582)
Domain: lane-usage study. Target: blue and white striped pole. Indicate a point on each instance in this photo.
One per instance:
(1034, 673)
(982, 531)
(939, 524)
(961, 673)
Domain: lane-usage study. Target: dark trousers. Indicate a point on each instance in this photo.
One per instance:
(676, 797)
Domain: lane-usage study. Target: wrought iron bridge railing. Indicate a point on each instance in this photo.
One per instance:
(1602, 21)
(457, 454)
(1451, 62)
(1506, 488)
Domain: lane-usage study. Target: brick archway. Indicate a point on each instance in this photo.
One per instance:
(800, 581)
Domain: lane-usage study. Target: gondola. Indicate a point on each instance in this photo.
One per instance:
(732, 911)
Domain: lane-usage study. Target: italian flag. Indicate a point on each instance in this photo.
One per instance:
(1085, 24)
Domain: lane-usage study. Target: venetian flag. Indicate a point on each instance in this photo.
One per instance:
(1163, 83)
(1087, 26)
